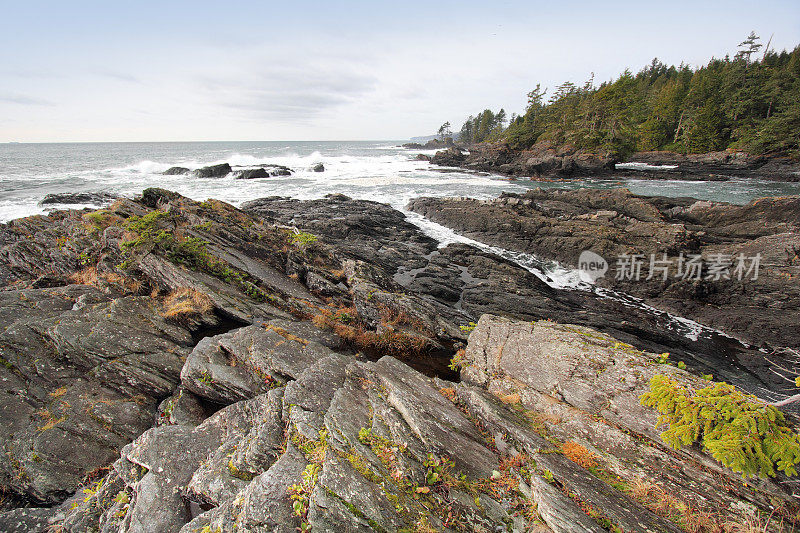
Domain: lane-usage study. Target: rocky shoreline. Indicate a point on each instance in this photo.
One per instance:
(546, 161)
(172, 365)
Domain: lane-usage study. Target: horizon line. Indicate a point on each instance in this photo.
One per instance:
(212, 141)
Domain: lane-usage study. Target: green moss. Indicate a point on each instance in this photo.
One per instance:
(356, 511)
(239, 474)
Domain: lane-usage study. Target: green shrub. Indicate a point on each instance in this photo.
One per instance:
(739, 430)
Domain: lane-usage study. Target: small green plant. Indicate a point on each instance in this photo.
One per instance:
(663, 358)
(681, 365)
(457, 361)
(468, 328)
(206, 378)
(84, 258)
(436, 468)
(707, 377)
(738, 429)
(300, 494)
(302, 238)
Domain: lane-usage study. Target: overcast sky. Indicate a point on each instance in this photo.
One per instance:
(298, 70)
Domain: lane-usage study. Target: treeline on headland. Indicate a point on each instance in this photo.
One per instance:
(750, 102)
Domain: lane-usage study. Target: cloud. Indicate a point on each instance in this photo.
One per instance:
(293, 93)
(24, 100)
(115, 75)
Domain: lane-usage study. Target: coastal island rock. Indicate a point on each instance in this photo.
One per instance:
(176, 171)
(213, 171)
(66, 198)
(545, 160)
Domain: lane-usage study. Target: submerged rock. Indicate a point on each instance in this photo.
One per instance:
(319, 167)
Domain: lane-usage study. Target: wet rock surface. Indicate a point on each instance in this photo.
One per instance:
(560, 224)
(171, 365)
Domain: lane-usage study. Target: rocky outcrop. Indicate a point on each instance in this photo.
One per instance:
(176, 171)
(213, 171)
(251, 173)
(184, 366)
(83, 376)
(462, 283)
(713, 166)
(452, 157)
(96, 359)
(91, 198)
(377, 446)
(276, 170)
(431, 144)
(545, 160)
(319, 167)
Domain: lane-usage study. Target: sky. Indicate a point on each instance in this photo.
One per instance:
(333, 70)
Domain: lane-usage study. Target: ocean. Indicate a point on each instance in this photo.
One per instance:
(373, 170)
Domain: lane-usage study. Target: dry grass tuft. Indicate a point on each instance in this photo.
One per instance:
(449, 393)
(87, 276)
(346, 324)
(186, 306)
(49, 419)
(579, 454)
(510, 399)
(91, 276)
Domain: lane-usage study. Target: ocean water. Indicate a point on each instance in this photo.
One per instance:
(378, 170)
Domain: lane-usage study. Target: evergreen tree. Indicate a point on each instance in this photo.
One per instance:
(746, 103)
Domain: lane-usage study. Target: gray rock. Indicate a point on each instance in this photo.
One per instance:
(247, 361)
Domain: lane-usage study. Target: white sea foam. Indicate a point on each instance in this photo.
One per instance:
(633, 165)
